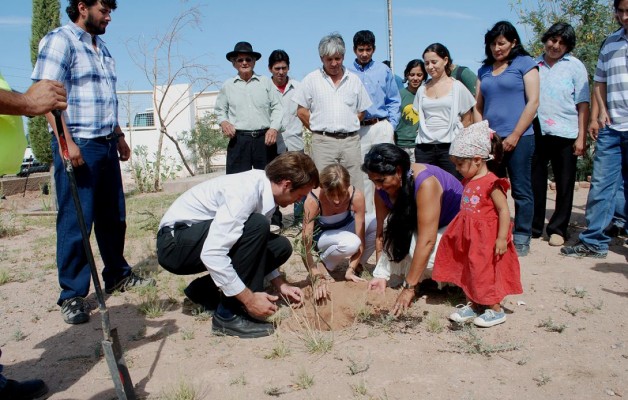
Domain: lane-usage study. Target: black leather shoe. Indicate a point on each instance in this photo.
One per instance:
(201, 297)
(27, 390)
(241, 326)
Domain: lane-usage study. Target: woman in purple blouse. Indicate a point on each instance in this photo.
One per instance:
(414, 203)
(508, 97)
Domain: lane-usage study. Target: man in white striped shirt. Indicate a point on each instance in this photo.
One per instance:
(331, 103)
(611, 151)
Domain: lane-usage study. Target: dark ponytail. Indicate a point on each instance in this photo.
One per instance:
(388, 159)
(497, 151)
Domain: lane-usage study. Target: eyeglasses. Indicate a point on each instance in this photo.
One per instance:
(243, 59)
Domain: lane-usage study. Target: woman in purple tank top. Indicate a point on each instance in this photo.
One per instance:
(414, 203)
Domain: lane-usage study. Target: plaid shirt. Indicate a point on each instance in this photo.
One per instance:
(66, 54)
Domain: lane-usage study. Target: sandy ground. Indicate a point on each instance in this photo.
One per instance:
(565, 337)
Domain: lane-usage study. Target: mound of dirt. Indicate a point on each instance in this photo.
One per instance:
(348, 302)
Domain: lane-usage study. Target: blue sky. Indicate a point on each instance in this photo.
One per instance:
(295, 26)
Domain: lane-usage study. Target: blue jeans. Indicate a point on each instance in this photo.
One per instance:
(619, 214)
(518, 164)
(101, 195)
(609, 163)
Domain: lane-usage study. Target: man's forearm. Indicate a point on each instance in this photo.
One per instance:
(12, 103)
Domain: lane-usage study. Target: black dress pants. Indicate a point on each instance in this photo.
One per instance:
(257, 253)
(559, 152)
(246, 152)
(436, 154)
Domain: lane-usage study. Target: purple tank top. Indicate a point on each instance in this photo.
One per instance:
(452, 192)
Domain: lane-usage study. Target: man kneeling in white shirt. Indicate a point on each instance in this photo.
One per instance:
(223, 226)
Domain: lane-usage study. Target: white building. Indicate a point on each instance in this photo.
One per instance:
(180, 110)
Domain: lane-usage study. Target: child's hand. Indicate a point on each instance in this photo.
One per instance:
(500, 246)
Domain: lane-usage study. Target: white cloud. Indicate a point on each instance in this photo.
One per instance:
(431, 12)
(14, 21)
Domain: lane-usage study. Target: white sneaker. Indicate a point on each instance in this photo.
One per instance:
(275, 229)
(490, 318)
(463, 313)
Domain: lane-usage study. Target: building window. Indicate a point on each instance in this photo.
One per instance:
(144, 119)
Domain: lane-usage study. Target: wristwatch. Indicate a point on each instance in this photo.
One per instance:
(406, 285)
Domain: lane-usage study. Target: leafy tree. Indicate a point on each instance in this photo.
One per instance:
(45, 18)
(205, 141)
(593, 21)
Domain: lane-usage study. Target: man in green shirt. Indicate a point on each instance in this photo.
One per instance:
(466, 76)
(249, 112)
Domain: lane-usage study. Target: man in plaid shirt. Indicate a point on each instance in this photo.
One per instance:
(75, 55)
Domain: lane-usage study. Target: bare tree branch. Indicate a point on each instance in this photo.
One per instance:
(164, 67)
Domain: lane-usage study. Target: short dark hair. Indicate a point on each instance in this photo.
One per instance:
(565, 31)
(278, 56)
(72, 8)
(616, 4)
(506, 29)
(442, 52)
(413, 64)
(363, 38)
(294, 166)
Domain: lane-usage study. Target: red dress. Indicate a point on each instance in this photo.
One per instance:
(466, 253)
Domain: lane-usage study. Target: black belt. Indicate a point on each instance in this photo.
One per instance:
(433, 145)
(165, 229)
(253, 134)
(107, 138)
(171, 229)
(371, 121)
(339, 135)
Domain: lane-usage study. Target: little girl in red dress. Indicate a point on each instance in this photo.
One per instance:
(476, 251)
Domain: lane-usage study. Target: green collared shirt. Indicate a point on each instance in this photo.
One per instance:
(251, 105)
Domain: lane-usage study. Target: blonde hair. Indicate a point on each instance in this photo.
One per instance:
(335, 178)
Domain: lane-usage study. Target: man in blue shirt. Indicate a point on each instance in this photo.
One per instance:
(381, 118)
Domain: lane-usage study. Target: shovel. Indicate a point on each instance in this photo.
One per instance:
(111, 344)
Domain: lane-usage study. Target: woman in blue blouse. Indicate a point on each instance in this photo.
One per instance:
(563, 116)
(508, 97)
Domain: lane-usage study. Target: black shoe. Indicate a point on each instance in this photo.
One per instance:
(75, 311)
(130, 281)
(202, 293)
(195, 305)
(522, 249)
(27, 390)
(614, 231)
(241, 326)
(579, 250)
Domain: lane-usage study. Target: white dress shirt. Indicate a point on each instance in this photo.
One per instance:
(333, 108)
(291, 126)
(229, 201)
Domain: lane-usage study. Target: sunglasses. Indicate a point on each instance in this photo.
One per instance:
(243, 59)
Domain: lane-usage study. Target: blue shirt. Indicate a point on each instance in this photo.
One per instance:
(563, 87)
(66, 54)
(380, 84)
(504, 95)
